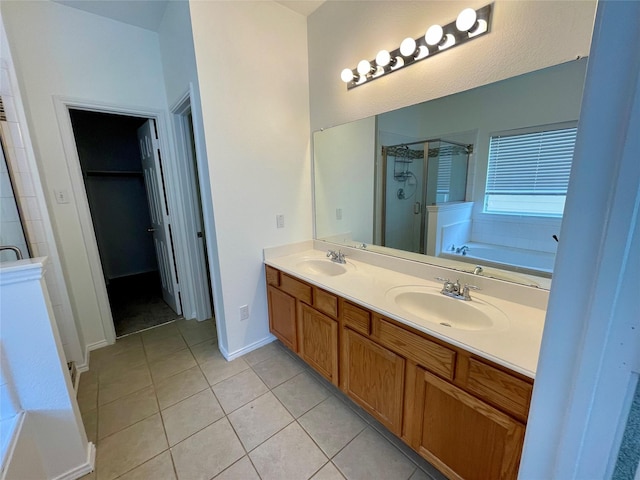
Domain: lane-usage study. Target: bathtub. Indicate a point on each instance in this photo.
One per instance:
(516, 259)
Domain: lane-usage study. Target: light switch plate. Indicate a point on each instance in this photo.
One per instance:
(280, 221)
(62, 196)
(244, 312)
(338, 214)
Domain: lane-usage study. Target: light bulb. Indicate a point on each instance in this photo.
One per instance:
(408, 47)
(467, 19)
(434, 35)
(346, 75)
(364, 67)
(383, 58)
(481, 27)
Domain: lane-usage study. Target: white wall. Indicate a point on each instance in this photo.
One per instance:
(252, 69)
(525, 36)
(180, 74)
(61, 51)
(31, 196)
(343, 175)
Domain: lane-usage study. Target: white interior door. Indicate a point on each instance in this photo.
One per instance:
(160, 227)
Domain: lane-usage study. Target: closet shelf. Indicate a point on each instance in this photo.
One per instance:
(113, 173)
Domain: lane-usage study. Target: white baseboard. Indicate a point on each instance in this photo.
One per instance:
(247, 349)
(83, 469)
(83, 367)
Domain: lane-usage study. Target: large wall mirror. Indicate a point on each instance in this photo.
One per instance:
(475, 179)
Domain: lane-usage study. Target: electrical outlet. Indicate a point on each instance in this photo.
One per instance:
(338, 214)
(280, 221)
(244, 312)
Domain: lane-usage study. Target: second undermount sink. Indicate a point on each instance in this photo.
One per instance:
(320, 266)
(427, 304)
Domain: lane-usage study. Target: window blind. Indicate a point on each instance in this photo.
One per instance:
(531, 164)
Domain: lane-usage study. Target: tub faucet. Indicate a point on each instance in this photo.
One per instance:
(337, 257)
(478, 270)
(462, 250)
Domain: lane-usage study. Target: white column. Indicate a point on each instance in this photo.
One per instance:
(35, 362)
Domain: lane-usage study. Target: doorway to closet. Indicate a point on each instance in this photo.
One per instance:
(127, 200)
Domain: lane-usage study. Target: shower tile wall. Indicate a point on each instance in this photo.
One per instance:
(30, 196)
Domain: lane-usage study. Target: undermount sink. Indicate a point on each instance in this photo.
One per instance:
(318, 266)
(427, 304)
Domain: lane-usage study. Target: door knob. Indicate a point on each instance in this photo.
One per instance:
(151, 229)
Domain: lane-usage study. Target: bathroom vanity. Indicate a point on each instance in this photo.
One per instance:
(452, 378)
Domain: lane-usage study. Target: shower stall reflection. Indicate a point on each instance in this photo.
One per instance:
(414, 176)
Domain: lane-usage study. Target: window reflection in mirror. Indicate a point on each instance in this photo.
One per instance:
(353, 182)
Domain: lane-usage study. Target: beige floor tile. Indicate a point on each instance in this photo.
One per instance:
(301, 393)
(89, 476)
(123, 345)
(166, 330)
(370, 455)
(88, 399)
(113, 367)
(90, 421)
(130, 448)
(262, 353)
(289, 454)
(199, 333)
(178, 387)
(205, 351)
(191, 415)
(125, 411)
(171, 364)
(241, 470)
(129, 381)
(328, 472)
(161, 347)
(207, 453)
(218, 369)
(185, 325)
(258, 420)
(158, 468)
(332, 425)
(88, 380)
(277, 369)
(238, 390)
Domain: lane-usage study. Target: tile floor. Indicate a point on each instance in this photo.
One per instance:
(165, 404)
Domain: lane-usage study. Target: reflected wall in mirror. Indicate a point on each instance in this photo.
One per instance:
(365, 195)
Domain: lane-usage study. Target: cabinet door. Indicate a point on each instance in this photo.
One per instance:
(318, 342)
(463, 436)
(374, 378)
(282, 317)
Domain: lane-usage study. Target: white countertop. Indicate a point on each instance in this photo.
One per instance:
(516, 347)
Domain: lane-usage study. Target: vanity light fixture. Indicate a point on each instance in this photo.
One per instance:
(468, 25)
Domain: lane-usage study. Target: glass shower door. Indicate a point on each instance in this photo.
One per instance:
(11, 230)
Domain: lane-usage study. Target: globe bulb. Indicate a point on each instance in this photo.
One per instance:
(466, 20)
(383, 58)
(408, 47)
(434, 35)
(346, 75)
(364, 67)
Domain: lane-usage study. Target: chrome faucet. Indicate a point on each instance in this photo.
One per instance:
(456, 290)
(337, 257)
(478, 270)
(462, 250)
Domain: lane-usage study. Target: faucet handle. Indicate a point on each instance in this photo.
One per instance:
(441, 279)
(471, 287)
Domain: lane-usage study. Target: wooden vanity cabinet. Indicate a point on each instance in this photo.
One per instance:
(462, 413)
(318, 342)
(300, 316)
(462, 436)
(373, 376)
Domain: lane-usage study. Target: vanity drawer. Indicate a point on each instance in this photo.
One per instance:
(430, 355)
(273, 276)
(500, 388)
(325, 302)
(295, 288)
(356, 318)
